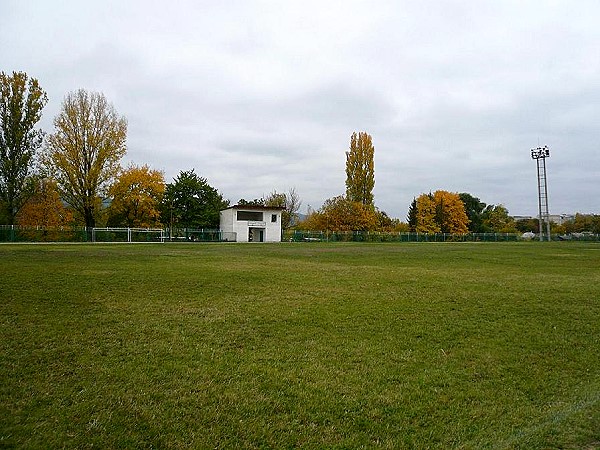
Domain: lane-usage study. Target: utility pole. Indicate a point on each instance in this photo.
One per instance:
(540, 154)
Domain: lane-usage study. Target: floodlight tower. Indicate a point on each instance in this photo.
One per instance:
(540, 154)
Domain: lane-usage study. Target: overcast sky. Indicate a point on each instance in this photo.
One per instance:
(259, 96)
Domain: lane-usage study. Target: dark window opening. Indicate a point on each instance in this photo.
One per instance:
(250, 215)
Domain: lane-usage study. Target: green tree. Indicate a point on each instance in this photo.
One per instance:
(136, 196)
(190, 202)
(474, 208)
(253, 202)
(595, 228)
(583, 223)
(388, 224)
(360, 169)
(21, 103)
(85, 150)
(527, 225)
(496, 220)
(413, 216)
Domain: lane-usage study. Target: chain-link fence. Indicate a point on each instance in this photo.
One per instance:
(15, 233)
(366, 236)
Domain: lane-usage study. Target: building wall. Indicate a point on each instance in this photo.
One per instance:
(226, 222)
(558, 219)
(270, 231)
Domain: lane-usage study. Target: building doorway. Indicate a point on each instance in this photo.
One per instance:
(256, 235)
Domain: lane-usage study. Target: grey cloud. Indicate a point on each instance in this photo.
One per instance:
(258, 96)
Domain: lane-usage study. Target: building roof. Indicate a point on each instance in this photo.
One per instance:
(255, 208)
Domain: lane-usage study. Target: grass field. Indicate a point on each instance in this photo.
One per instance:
(300, 345)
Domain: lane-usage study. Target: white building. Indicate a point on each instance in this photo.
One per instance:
(252, 223)
(558, 219)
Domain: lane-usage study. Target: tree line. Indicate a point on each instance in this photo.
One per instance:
(437, 212)
(74, 176)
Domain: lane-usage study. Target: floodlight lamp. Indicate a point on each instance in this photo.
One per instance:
(540, 152)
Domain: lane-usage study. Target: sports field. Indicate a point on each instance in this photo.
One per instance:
(314, 345)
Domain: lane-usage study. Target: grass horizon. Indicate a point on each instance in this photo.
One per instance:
(437, 345)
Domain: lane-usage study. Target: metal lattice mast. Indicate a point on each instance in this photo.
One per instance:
(540, 154)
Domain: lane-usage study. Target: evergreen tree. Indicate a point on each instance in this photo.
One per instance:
(413, 216)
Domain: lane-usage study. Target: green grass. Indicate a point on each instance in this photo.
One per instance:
(300, 345)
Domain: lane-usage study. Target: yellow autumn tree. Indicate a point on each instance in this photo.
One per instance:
(84, 152)
(45, 209)
(136, 196)
(441, 212)
(426, 218)
(450, 213)
(340, 214)
(360, 169)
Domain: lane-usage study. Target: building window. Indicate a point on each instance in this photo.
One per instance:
(273, 218)
(255, 216)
